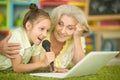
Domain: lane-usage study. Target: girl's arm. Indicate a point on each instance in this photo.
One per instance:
(78, 50)
(19, 67)
(36, 63)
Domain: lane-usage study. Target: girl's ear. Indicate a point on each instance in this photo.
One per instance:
(28, 25)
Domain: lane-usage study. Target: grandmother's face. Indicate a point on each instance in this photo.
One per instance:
(65, 28)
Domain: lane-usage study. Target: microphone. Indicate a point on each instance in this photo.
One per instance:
(46, 46)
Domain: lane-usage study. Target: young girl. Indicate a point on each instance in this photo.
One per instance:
(36, 24)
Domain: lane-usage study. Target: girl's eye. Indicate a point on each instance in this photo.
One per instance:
(42, 28)
(48, 30)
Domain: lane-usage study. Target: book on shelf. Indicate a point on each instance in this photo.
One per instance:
(109, 22)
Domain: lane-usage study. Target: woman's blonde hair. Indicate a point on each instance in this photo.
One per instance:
(71, 11)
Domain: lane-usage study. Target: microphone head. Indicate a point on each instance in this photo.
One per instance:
(46, 45)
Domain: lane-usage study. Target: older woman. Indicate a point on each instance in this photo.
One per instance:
(69, 26)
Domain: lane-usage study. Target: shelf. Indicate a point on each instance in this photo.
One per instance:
(105, 28)
(79, 4)
(4, 15)
(18, 10)
(3, 34)
(51, 3)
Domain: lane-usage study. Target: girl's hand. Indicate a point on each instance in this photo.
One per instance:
(60, 70)
(79, 30)
(50, 57)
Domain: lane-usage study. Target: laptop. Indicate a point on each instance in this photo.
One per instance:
(90, 64)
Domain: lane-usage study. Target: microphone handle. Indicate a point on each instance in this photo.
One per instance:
(52, 65)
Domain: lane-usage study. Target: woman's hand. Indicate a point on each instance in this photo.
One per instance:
(79, 30)
(60, 70)
(9, 49)
(78, 44)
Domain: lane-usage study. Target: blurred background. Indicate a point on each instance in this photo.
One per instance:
(103, 17)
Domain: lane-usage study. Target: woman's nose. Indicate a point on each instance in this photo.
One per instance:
(63, 30)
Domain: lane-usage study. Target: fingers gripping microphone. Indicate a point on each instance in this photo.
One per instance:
(46, 46)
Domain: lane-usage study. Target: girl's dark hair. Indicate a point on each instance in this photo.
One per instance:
(34, 13)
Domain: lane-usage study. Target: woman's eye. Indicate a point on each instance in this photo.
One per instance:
(70, 27)
(60, 23)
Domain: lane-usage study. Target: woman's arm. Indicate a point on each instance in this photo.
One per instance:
(78, 50)
(8, 49)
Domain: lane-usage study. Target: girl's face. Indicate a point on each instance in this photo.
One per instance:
(65, 28)
(38, 30)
